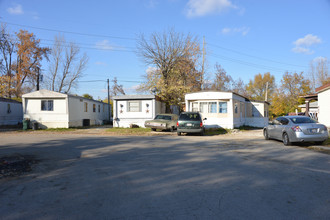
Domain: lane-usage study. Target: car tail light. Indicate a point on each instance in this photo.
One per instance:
(177, 124)
(201, 124)
(324, 128)
(296, 129)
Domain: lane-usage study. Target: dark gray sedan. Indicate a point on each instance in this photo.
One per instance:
(291, 129)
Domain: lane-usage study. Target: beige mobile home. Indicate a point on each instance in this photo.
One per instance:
(57, 110)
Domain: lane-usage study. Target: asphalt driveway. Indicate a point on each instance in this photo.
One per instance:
(237, 176)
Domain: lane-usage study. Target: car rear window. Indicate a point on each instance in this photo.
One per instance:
(302, 120)
(190, 117)
(164, 117)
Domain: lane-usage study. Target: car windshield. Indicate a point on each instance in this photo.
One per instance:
(164, 117)
(302, 120)
(190, 117)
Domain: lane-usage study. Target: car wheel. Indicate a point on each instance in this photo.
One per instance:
(179, 133)
(266, 134)
(286, 140)
(202, 133)
(319, 142)
(153, 129)
(171, 129)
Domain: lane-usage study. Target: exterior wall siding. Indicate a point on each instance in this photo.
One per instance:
(68, 111)
(77, 113)
(148, 109)
(58, 118)
(324, 107)
(239, 111)
(11, 116)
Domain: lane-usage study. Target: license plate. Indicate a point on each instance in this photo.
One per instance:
(189, 124)
(314, 130)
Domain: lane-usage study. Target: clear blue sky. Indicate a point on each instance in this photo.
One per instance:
(245, 37)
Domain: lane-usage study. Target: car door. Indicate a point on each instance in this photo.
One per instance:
(278, 127)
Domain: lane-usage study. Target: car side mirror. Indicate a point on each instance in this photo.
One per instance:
(205, 119)
(271, 123)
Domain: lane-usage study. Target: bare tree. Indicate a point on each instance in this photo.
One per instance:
(173, 58)
(239, 87)
(7, 48)
(319, 73)
(222, 81)
(66, 66)
(116, 88)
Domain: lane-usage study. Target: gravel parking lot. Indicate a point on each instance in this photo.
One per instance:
(232, 176)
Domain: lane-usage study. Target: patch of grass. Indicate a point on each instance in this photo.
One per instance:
(247, 128)
(327, 142)
(216, 131)
(58, 129)
(129, 131)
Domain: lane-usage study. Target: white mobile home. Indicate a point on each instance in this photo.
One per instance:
(323, 96)
(227, 109)
(57, 110)
(135, 109)
(11, 112)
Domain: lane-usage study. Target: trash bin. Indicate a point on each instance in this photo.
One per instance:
(26, 123)
(34, 125)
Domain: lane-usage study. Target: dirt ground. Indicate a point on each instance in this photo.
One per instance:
(92, 174)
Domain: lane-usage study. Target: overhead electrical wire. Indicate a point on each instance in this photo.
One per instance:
(260, 58)
(71, 32)
(128, 38)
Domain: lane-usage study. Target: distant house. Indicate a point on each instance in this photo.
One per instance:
(323, 96)
(227, 109)
(57, 110)
(313, 107)
(11, 112)
(135, 109)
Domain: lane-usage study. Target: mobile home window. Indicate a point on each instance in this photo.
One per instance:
(203, 107)
(99, 108)
(47, 105)
(236, 108)
(195, 106)
(94, 108)
(222, 107)
(134, 106)
(212, 107)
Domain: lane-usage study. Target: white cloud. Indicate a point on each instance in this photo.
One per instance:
(104, 45)
(242, 30)
(16, 10)
(308, 40)
(319, 59)
(302, 50)
(303, 44)
(197, 8)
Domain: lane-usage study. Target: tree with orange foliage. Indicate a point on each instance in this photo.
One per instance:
(29, 57)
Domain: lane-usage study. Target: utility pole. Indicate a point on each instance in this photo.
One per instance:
(202, 75)
(109, 101)
(266, 95)
(38, 78)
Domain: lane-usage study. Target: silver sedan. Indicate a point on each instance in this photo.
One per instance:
(291, 129)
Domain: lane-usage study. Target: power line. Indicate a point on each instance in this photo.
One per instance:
(248, 63)
(71, 32)
(265, 59)
(94, 48)
(68, 43)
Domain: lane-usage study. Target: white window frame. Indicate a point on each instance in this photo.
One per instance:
(137, 108)
(210, 107)
(222, 108)
(48, 104)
